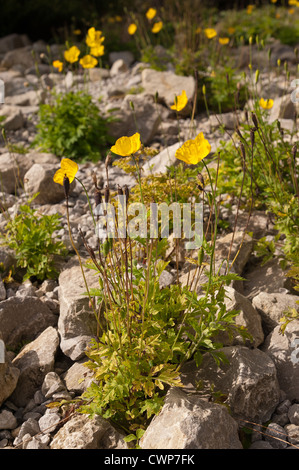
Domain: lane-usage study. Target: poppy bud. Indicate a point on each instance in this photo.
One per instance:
(252, 130)
(239, 133)
(243, 152)
(201, 182)
(294, 151)
(91, 253)
(66, 186)
(254, 120)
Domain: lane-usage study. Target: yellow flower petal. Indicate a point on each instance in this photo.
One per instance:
(132, 29)
(194, 150)
(210, 33)
(151, 13)
(97, 51)
(266, 104)
(58, 65)
(88, 62)
(223, 41)
(126, 146)
(157, 27)
(67, 168)
(72, 54)
(94, 38)
(180, 101)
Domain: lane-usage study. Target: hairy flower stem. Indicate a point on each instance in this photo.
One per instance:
(79, 259)
(90, 208)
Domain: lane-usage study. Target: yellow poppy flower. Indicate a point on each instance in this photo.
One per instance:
(68, 169)
(88, 62)
(72, 54)
(58, 65)
(273, 1)
(250, 8)
(210, 33)
(132, 29)
(231, 30)
(97, 51)
(151, 13)
(157, 27)
(223, 41)
(126, 146)
(77, 32)
(94, 38)
(266, 104)
(180, 101)
(194, 150)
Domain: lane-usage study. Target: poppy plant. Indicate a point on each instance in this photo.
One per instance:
(126, 146)
(194, 150)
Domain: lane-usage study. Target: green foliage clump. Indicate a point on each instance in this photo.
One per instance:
(147, 334)
(225, 91)
(30, 235)
(72, 126)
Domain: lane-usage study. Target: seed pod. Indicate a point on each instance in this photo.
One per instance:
(106, 194)
(94, 179)
(108, 160)
(252, 136)
(119, 190)
(98, 197)
(126, 193)
(243, 152)
(66, 186)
